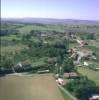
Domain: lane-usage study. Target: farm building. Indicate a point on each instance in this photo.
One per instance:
(78, 53)
(69, 37)
(60, 81)
(70, 75)
(43, 71)
(97, 69)
(86, 63)
(94, 97)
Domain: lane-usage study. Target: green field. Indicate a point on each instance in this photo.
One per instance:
(92, 75)
(27, 28)
(94, 65)
(67, 95)
(93, 45)
(8, 49)
(10, 37)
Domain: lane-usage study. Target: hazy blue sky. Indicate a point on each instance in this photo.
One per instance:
(66, 9)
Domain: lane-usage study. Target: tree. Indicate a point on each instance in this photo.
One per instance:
(7, 61)
(82, 88)
(91, 36)
(68, 65)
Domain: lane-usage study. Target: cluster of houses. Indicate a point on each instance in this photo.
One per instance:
(71, 38)
(52, 36)
(79, 53)
(68, 75)
(75, 38)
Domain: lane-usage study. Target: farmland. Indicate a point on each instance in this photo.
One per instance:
(36, 87)
(92, 75)
(40, 47)
(12, 48)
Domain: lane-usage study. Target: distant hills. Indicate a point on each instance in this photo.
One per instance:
(50, 21)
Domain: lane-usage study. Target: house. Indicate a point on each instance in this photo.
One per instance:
(81, 42)
(70, 75)
(19, 64)
(73, 36)
(70, 37)
(60, 81)
(43, 35)
(84, 43)
(87, 53)
(78, 53)
(43, 71)
(97, 69)
(72, 50)
(94, 97)
(86, 63)
(84, 53)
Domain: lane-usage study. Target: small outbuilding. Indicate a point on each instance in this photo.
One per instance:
(70, 75)
(97, 69)
(43, 71)
(60, 81)
(86, 63)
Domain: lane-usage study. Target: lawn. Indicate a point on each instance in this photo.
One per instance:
(36, 87)
(92, 75)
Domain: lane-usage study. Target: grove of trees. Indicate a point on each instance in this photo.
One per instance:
(82, 88)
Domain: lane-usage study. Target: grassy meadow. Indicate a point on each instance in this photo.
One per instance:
(92, 75)
(9, 49)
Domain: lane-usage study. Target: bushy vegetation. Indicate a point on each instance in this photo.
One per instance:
(68, 65)
(8, 32)
(33, 50)
(82, 88)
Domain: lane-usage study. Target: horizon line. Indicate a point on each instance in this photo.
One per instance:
(48, 18)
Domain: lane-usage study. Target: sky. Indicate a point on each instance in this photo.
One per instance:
(60, 9)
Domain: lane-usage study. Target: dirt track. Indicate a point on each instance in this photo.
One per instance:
(37, 87)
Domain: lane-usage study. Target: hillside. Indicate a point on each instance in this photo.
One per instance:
(51, 21)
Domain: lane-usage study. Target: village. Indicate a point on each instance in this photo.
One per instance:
(75, 53)
(67, 61)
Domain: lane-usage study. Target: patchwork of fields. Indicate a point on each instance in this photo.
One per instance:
(36, 87)
(41, 45)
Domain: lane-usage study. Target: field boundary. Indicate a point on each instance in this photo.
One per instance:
(66, 92)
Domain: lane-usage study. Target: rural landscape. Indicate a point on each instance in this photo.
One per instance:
(47, 59)
(49, 50)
